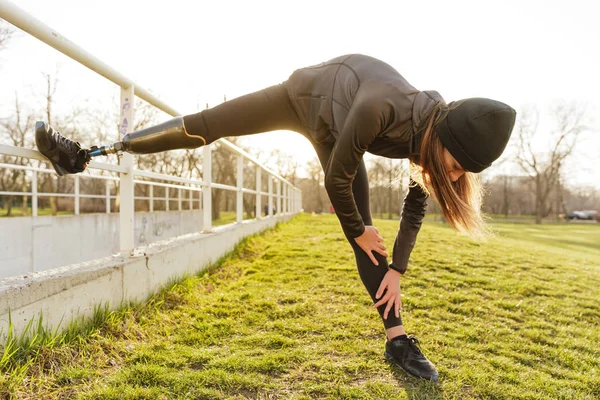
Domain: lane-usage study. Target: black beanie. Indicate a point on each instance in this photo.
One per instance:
(476, 132)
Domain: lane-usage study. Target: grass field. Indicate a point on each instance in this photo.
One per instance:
(286, 317)
(226, 217)
(18, 212)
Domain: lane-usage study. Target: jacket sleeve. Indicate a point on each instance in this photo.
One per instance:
(413, 211)
(365, 120)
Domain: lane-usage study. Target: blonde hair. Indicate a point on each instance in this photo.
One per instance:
(460, 201)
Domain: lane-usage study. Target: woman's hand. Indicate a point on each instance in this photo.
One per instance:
(371, 241)
(391, 285)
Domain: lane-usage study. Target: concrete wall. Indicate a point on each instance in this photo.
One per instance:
(30, 244)
(65, 293)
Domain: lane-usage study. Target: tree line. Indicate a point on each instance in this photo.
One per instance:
(540, 189)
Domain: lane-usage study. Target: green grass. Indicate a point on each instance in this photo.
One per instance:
(225, 217)
(511, 216)
(430, 216)
(560, 238)
(18, 212)
(286, 317)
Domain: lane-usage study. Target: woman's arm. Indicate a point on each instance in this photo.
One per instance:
(366, 119)
(413, 211)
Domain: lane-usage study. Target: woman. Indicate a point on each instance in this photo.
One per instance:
(345, 107)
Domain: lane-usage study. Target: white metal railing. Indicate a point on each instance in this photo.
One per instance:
(285, 193)
(107, 197)
(283, 200)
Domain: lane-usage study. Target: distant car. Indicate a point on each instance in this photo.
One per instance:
(587, 215)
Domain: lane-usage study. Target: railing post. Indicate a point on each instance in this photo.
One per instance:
(278, 197)
(126, 209)
(287, 198)
(76, 194)
(179, 199)
(283, 188)
(151, 198)
(167, 199)
(206, 191)
(270, 184)
(34, 194)
(258, 192)
(191, 199)
(107, 193)
(240, 186)
(282, 198)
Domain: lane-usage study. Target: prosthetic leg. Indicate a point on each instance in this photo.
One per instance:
(67, 156)
(169, 135)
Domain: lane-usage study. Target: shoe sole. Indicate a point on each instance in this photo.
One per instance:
(391, 359)
(58, 169)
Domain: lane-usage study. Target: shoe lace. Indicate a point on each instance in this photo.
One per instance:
(414, 344)
(66, 143)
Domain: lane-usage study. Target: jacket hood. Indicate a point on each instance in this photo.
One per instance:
(424, 104)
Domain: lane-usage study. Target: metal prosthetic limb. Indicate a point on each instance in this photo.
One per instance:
(169, 135)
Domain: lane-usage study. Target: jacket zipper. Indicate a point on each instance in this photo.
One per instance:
(313, 96)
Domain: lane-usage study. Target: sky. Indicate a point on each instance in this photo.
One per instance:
(193, 53)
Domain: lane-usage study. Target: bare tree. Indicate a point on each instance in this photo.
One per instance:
(377, 178)
(67, 125)
(544, 168)
(512, 195)
(506, 194)
(103, 127)
(6, 32)
(313, 189)
(18, 129)
(385, 174)
(8, 180)
(49, 182)
(249, 201)
(583, 198)
(285, 164)
(224, 169)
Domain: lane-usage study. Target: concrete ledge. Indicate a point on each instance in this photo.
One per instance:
(28, 244)
(63, 294)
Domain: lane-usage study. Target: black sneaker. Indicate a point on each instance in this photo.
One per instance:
(405, 353)
(66, 156)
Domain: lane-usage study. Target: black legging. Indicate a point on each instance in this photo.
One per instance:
(269, 110)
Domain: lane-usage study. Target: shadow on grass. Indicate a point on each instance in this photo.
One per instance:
(416, 389)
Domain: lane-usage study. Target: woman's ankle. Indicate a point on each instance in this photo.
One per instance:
(395, 331)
